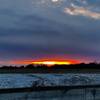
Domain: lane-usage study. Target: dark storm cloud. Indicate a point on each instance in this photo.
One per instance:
(26, 30)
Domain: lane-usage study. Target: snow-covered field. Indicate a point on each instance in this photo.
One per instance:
(28, 80)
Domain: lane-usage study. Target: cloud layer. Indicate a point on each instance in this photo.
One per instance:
(88, 11)
(31, 29)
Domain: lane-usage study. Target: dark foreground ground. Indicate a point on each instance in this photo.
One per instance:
(52, 93)
(76, 68)
(60, 71)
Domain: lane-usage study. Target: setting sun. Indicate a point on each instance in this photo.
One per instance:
(50, 63)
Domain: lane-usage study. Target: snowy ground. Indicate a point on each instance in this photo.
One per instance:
(28, 80)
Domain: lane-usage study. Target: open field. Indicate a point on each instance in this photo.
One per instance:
(50, 86)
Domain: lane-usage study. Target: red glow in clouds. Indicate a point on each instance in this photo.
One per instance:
(45, 62)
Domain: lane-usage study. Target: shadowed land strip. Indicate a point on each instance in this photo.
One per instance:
(47, 88)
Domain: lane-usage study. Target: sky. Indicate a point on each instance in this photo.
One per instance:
(49, 29)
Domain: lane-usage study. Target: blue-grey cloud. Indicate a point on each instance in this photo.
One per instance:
(31, 27)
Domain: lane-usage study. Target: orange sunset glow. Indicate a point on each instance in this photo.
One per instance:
(46, 62)
(51, 63)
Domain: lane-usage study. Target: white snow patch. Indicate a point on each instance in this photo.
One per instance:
(29, 80)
